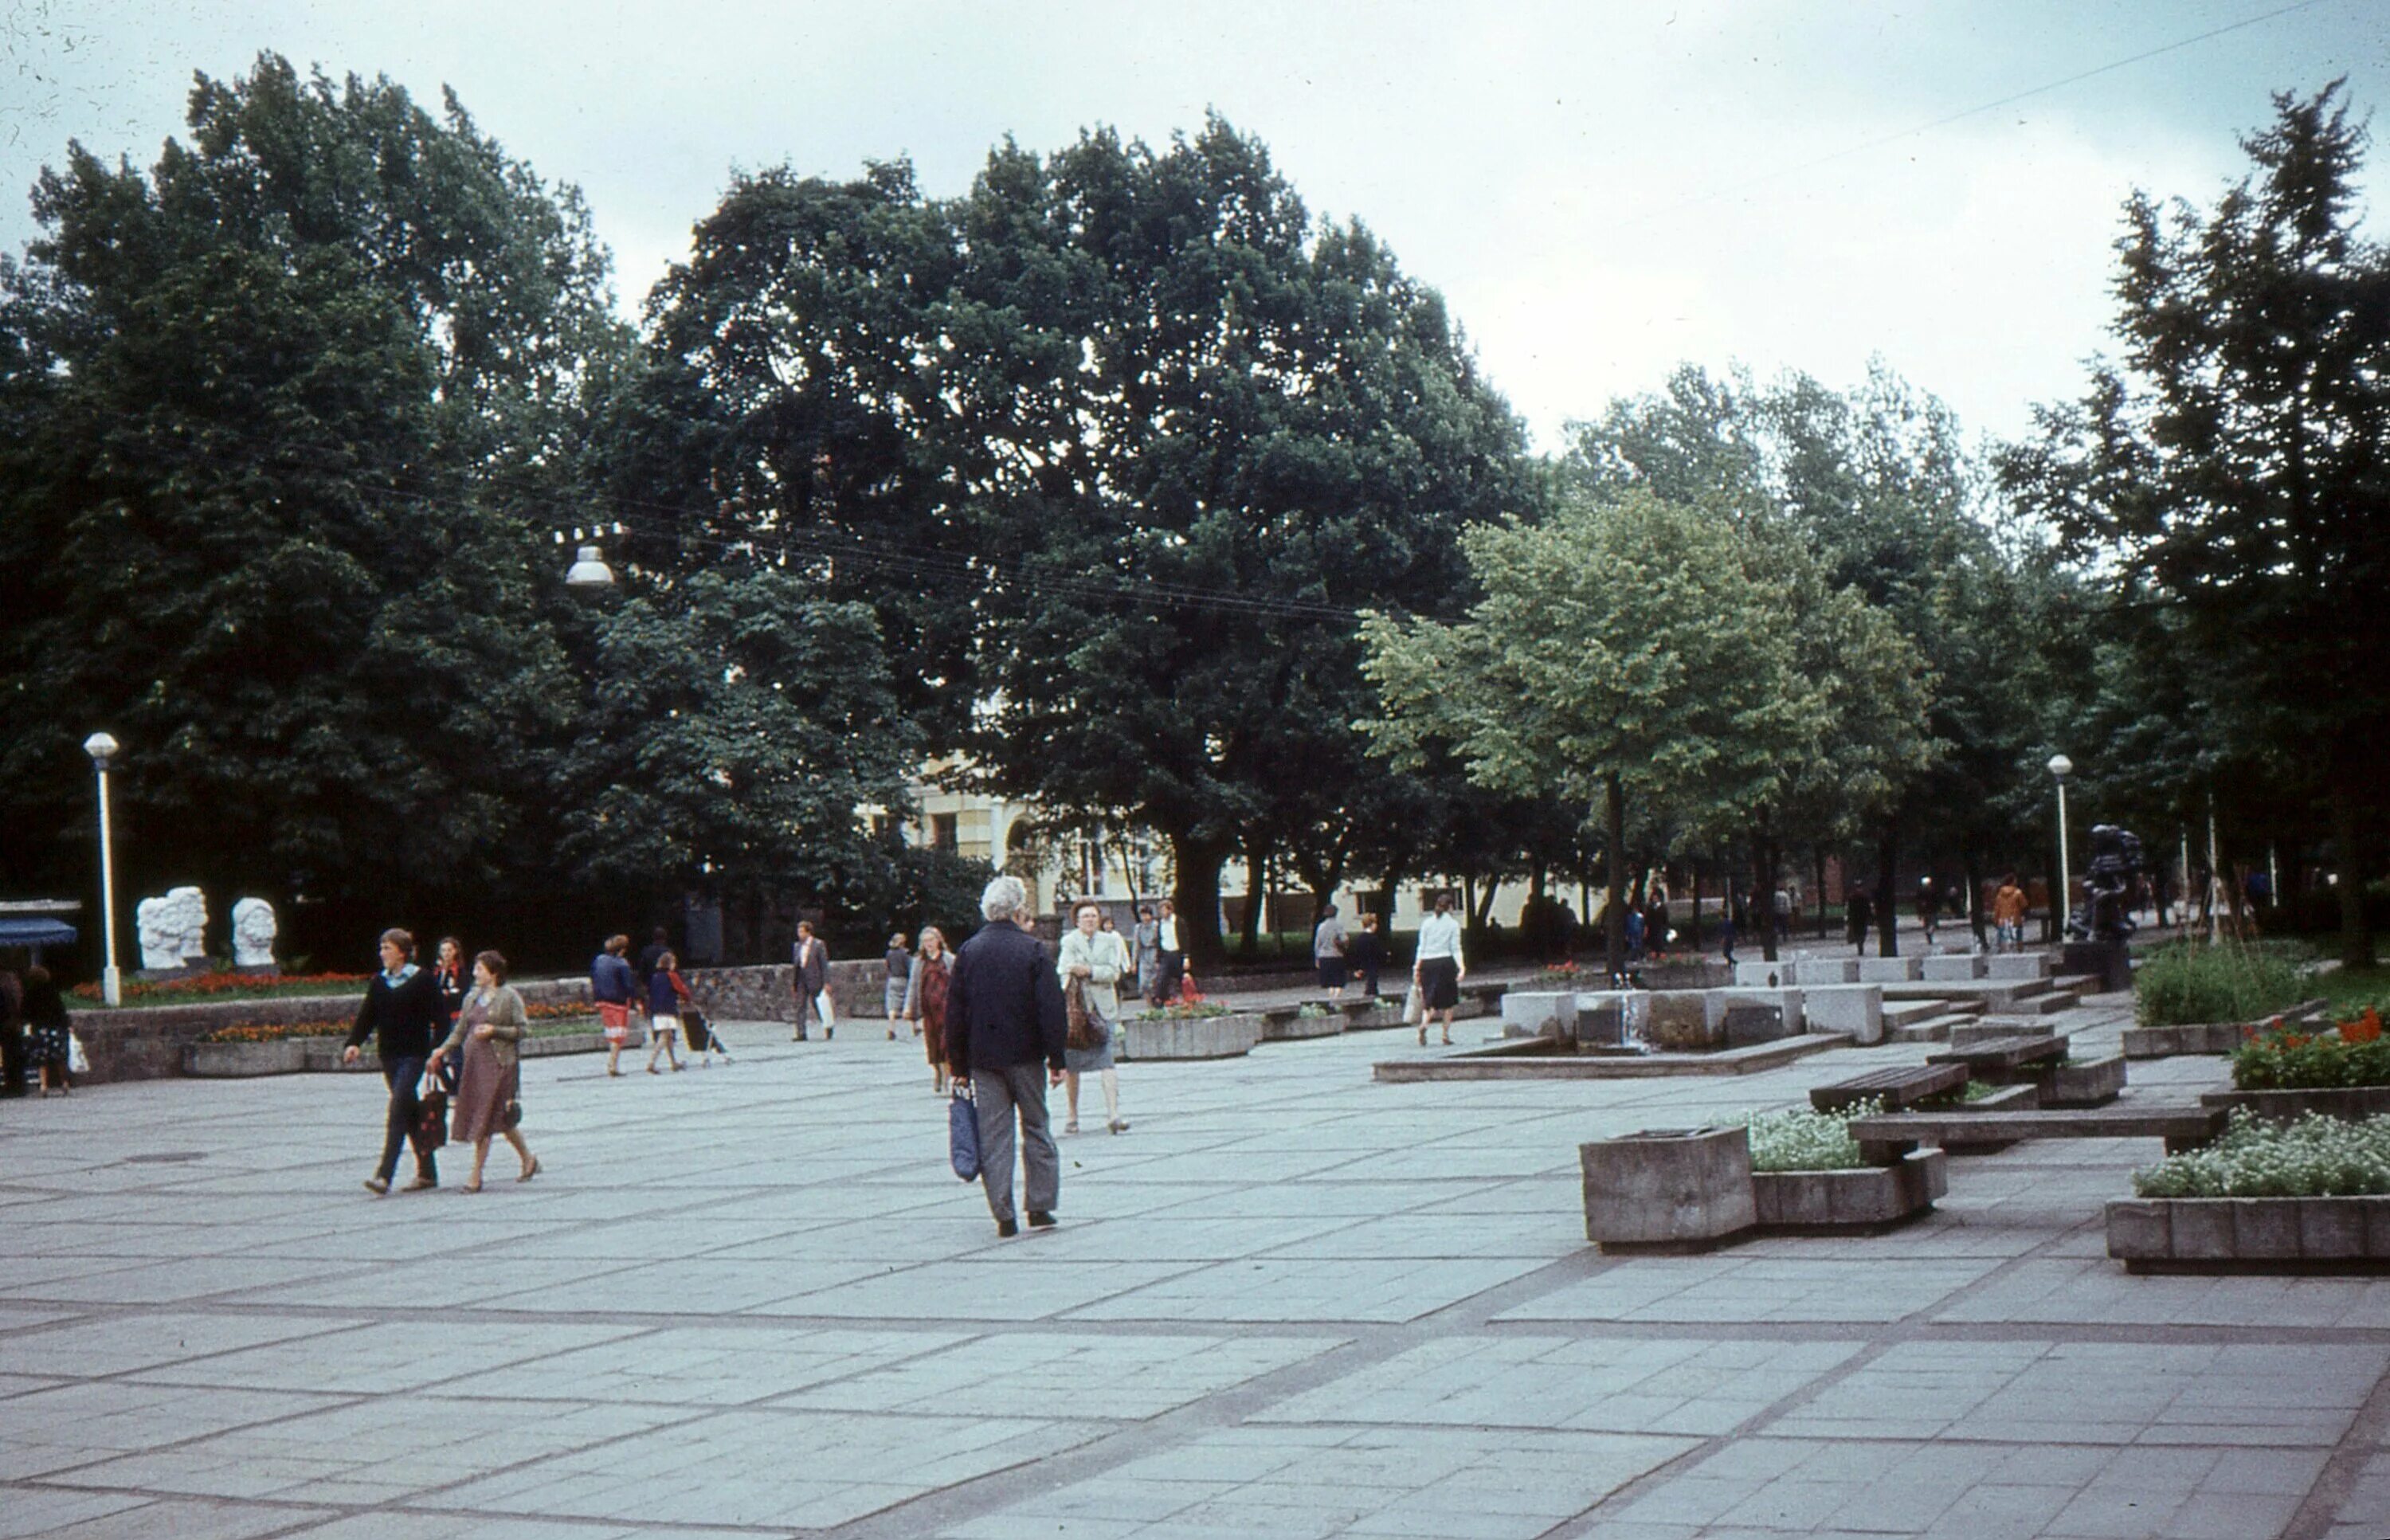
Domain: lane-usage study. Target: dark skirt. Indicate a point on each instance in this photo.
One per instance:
(1332, 972)
(47, 1044)
(1440, 984)
(482, 1091)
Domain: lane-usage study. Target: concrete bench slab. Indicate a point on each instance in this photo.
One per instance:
(2020, 965)
(1895, 1089)
(2182, 1126)
(1825, 971)
(1952, 967)
(2003, 1056)
(1889, 970)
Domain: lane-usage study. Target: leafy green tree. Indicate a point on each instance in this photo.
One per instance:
(1169, 385)
(1635, 650)
(2229, 470)
(268, 414)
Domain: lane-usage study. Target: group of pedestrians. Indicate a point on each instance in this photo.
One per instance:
(425, 1022)
(34, 1039)
(652, 990)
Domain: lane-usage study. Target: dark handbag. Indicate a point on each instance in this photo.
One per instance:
(962, 1136)
(693, 1029)
(512, 1116)
(1082, 1034)
(432, 1120)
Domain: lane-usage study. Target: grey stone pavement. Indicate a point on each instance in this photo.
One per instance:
(752, 1300)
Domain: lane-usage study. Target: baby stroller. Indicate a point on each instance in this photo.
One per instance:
(698, 1033)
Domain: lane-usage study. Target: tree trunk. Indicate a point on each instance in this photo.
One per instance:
(1613, 907)
(1256, 895)
(1762, 892)
(1196, 894)
(1818, 853)
(1887, 889)
(2356, 940)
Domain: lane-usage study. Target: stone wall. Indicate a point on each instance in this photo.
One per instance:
(768, 994)
(148, 1043)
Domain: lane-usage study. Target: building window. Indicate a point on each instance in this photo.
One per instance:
(943, 834)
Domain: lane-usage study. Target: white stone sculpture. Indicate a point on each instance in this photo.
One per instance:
(173, 930)
(252, 933)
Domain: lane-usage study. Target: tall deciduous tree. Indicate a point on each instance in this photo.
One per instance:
(262, 413)
(2233, 468)
(1633, 649)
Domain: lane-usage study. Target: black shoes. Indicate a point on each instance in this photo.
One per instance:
(1006, 1229)
(1040, 1220)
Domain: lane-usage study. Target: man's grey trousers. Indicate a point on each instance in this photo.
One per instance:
(1000, 1095)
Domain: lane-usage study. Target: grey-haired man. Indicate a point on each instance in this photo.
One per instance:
(1004, 1015)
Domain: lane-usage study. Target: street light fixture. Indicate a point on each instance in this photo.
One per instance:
(2059, 768)
(589, 570)
(102, 749)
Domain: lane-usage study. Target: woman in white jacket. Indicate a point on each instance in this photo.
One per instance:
(1096, 958)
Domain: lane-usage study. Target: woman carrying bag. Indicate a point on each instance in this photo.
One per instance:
(489, 1028)
(1091, 963)
(925, 1000)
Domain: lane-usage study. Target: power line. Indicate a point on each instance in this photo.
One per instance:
(1798, 167)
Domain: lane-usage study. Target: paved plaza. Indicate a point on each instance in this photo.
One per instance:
(751, 1300)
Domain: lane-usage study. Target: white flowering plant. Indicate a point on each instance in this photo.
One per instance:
(1799, 1139)
(2315, 1157)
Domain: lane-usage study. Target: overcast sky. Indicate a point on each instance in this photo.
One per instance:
(1600, 189)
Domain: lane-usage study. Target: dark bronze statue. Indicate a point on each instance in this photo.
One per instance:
(2116, 866)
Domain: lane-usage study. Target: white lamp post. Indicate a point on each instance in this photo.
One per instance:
(2059, 768)
(102, 749)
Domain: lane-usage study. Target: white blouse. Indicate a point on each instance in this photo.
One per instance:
(1439, 936)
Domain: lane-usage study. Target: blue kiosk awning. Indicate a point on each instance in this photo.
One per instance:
(35, 932)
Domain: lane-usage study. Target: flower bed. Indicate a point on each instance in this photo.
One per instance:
(221, 986)
(1183, 1010)
(1799, 1139)
(2281, 1058)
(2315, 1157)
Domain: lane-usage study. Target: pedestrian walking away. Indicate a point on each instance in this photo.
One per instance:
(1092, 960)
(489, 1028)
(1005, 1023)
(2009, 907)
(1438, 967)
(1146, 940)
(1369, 953)
(50, 1044)
(1328, 942)
(615, 987)
(900, 976)
(401, 1014)
(925, 1000)
(665, 993)
(809, 977)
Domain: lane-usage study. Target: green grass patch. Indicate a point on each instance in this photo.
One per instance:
(2188, 982)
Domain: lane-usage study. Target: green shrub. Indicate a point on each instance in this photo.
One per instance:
(1799, 1139)
(2183, 984)
(2315, 1157)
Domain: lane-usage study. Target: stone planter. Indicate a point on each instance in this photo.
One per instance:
(1861, 1198)
(2194, 1233)
(1679, 1188)
(2085, 1083)
(2196, 1038)
(1230, 1036)
(1289, 1024)
(1854, 1008)
(280, 1056)
(2352, 1102)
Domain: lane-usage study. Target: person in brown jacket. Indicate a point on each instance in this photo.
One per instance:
(2007, 916)
(489, 1028)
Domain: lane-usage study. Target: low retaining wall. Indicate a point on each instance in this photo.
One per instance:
(149, 1043)
(1860, 1198)
(2196, 1233)
(857, 989)
(1228, 1036)
(287, 1056)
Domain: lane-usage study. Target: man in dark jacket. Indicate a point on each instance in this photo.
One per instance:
(402, 1013)
(1004, 1014)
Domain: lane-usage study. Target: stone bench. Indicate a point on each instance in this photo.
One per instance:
(2003, 1061)
(1886, 1138)
(1895, 1088)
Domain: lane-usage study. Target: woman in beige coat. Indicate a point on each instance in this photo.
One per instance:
(489, 1027)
